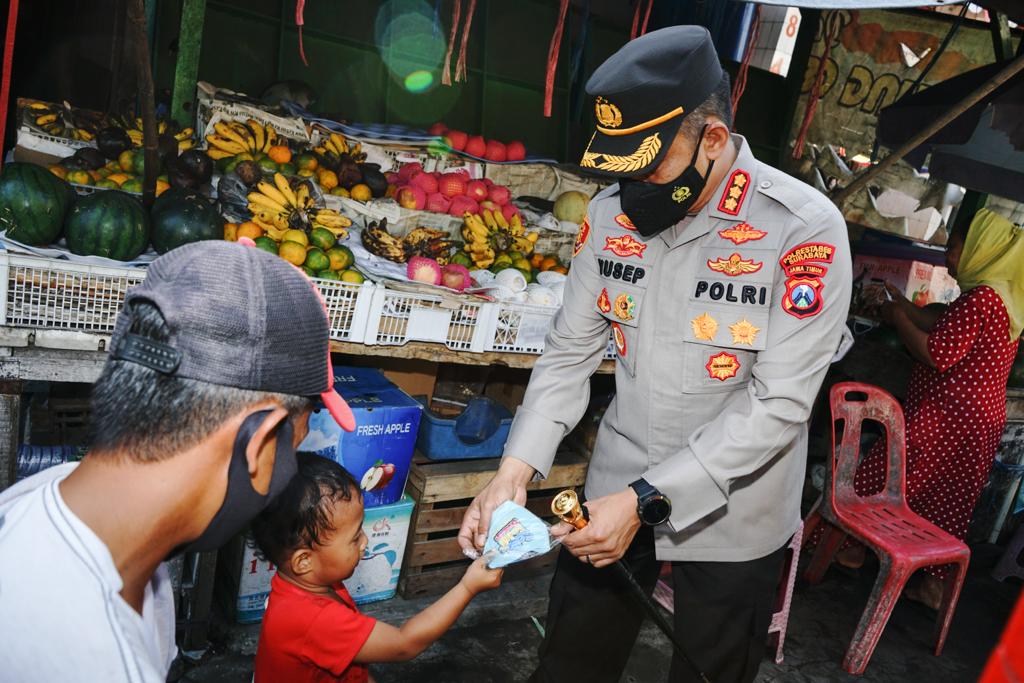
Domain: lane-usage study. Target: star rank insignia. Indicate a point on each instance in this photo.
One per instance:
(722, 366)
(735, 265)
(704, 327)
(735, 192)
(744, 332)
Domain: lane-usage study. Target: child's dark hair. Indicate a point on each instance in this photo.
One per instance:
(300, 515)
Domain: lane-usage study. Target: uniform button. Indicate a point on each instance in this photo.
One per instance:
(765, 184)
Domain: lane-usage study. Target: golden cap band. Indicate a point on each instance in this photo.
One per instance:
(642, 126)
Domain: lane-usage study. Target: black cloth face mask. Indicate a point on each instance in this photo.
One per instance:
(241, 501)
(653, 207)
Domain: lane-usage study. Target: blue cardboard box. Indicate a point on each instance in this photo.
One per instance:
(376, 575)
(378, 453)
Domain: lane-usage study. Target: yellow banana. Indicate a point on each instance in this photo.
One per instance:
(226, 131)
(337, 231)
(272, 192)
(261, 198)
(161, 128)
(517, 225)
(45, 119)
(489, 220)
(185, 144)
(231, 146)
(271, 138)
(500, 219)
(276, 233)
(183, 134)
(282, 184)
(533, 236)
(259, 133)
(340, 143)
(217, 154)
(328, 217)
(302, 195)
(39, 105)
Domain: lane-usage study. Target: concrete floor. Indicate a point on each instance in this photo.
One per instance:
(495, 641)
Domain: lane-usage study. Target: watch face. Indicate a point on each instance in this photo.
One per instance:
(656, 510)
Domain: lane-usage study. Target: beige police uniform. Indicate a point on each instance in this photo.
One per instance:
(724, 328)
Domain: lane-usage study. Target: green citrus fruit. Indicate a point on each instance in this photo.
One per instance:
(322, 237)
(266, 244)
(341, 258)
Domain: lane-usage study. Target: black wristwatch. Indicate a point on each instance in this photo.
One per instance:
(652, 506)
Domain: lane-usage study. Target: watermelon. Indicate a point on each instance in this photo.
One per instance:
(33, 203)
(185, 217)
(111, 224)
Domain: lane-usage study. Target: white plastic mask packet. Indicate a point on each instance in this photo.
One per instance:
(515, 535)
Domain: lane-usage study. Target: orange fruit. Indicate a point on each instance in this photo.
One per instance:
(162, 186)
(306, 162)
(560, 269)
(307, 173)
(292, 252)
(119, 178)
(548, 263)
(59, 171)
(79, 177)
(328, 179)
(280, 154)
(536, 260)
(250, 230)
(231, 232)
(126, 160)
(95, 175)
(361, 193)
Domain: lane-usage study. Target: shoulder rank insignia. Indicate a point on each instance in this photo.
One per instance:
(744, 332)
(704, 327)
(722, 366)
(742, 232)
(604, 304)
(623, 220)
(620, 339)
(624, 307)
(735, 265)
(735, 192)
(625, 246)
(581, 237)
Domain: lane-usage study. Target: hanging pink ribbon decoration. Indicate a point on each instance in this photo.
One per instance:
(446, 76)
(812, 97)
(300, 6)
(556, 44)
(636, 20)
(460, 66)
(748, 54)
(647, 15)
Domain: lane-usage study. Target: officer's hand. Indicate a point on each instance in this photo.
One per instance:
(613, 524)
(508, 484)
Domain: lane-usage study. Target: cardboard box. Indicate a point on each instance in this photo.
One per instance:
(922, 283)
(378, 453)
(243, 580)
(387, 529)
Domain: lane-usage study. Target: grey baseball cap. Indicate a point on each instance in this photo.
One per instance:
(238, 317)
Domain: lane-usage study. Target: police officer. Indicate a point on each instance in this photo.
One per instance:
(725, 284)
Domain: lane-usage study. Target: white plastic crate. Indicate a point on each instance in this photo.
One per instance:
(398, 317)
(348, 308)
(52, 294)
(521, 328)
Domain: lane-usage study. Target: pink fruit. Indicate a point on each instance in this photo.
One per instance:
(424, 181)
(389, 468)
(437, 129)
(495, 151)
(499, 194)
(454, 277)
(489, 183)
(476, 146)
(476, 190)
(411, 197)
(423, 269)
(515, 151)
(456, 139)
(438, 203)
(407, 171)
(509, 210)
(451, 185)
(393, 178)
(462, 204)
(490, 206)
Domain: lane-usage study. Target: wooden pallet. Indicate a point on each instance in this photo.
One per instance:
(443, 491)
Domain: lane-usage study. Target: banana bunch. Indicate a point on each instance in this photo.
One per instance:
(490, 233)
(429, 242)
(277, 208)
(234, 137)
(379, 242)
(338, 146)
(135, 134)
(331, 220)
(51, 120)
(478, 240)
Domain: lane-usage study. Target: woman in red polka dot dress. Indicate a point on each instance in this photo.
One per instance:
(956, 402)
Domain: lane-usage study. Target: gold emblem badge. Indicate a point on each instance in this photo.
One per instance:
(681, 194)
(608, 115)
(735, 265)
(742, 232)
(704, 327)
(744, 332)
(722, 366)
(624, 307)
(629, 163)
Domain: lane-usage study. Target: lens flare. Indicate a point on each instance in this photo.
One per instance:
(419, 81)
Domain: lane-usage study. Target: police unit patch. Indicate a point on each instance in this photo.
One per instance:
(800, 255)
(742, 232)
(735, 265)
(744, 332)
(625, 246)
(623, 220)
(704, 327)
(735, 192)
(803, 269)
(803, 296)
(604, 304)
(620, 339)
(624, 307)
(581, 237)
(722, 366)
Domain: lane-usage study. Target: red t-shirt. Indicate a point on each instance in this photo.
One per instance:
(310, 638)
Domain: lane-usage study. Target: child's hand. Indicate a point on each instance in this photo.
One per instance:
(479, 578)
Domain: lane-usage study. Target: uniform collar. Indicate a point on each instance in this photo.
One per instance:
(729, 202)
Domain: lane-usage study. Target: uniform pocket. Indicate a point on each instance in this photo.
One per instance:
(714, 369)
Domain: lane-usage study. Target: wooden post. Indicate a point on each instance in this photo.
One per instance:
(190, 41)
(151, 153)
(1001, 43)
(986, 88)
(10, 421)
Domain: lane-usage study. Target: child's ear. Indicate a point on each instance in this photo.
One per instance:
(301, 562)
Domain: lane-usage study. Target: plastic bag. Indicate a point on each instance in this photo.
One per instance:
(516, 535)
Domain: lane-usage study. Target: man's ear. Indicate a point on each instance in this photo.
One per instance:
(716, 137)
(301, 562)
(261, 449)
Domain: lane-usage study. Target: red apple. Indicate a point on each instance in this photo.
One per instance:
(411, 197)
(437, 129)
(495, 151)
(425, 181)
(394, 178)
(509, 210)
(462, 204)
(451, 185)
(515, 151)
(407, 171)
(499, 194)
(489, 183)
(476, 146)
(438, 203)
(476, 190)
(456, 139)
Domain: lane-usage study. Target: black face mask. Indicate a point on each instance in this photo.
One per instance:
(241, 501)
(653, 208)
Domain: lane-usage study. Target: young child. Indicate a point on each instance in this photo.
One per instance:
(312, 630)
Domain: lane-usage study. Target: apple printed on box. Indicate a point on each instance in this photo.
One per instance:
(378, 453)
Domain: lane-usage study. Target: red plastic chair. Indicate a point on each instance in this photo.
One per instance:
(903, 541)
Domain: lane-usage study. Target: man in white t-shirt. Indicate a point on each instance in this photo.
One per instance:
(195, 420)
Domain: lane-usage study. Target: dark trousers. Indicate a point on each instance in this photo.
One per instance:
(722, 614)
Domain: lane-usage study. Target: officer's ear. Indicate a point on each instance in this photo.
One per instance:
(716, 137)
